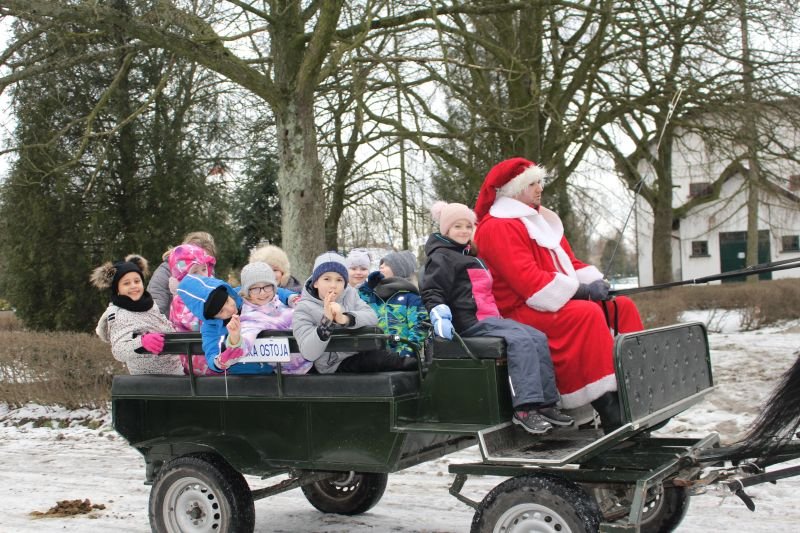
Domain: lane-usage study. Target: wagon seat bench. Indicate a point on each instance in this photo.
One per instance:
(270, 424)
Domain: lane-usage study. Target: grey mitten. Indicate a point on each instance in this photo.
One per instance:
(596, 291)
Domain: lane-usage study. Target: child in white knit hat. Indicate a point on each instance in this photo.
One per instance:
(358, 263)
(263, 310)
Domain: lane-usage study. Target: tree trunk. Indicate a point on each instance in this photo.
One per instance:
(336, 209)
(750, 137)
(300, 186)
(662, 240)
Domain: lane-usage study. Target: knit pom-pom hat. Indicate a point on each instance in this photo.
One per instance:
(447, 215)
(185, 256)
(358, 258)
(107, 275)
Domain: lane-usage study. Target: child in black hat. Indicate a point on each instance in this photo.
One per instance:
(132, 323)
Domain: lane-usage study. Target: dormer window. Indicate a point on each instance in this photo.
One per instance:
(700, 189)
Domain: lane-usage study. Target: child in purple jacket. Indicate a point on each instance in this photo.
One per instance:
(262, 310)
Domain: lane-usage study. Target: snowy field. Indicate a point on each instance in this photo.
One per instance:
(77, 456)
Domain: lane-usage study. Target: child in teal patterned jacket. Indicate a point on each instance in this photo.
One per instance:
(397, 303)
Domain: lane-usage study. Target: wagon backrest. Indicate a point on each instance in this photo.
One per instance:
(662, 371)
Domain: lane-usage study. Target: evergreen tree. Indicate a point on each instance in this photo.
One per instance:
(258, 209)
(73, 201)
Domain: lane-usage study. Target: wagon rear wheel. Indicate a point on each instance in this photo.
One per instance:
(200, 494)
(536, 503)
(664, 507)
(665, 511)
(350, 494)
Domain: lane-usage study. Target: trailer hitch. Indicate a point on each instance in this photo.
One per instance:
(748, 501)
(737, 486)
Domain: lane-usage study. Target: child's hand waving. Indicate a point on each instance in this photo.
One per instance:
(234, 331)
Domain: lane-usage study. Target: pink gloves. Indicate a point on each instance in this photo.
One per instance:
(153, 342)
(229, 357)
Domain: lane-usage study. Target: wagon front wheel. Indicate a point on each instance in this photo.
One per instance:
(350, 493)
(197, 494)
(536, 503)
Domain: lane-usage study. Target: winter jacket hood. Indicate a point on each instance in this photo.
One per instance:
(194, 291)
(388, 287)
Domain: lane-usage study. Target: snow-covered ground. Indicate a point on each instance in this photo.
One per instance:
(77, 456)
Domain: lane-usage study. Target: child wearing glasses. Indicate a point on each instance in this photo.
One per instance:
(263, 310)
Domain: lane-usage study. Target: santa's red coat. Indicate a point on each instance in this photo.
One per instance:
(535, 276)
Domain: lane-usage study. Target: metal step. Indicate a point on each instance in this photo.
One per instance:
(507, 443)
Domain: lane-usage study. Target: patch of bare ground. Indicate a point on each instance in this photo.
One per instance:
(69, 508)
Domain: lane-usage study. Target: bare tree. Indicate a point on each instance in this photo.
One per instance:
(666, 75)
(518, 83)
(280, 51)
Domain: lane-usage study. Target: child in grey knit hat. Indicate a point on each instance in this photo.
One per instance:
(402, 264)
(263, 310)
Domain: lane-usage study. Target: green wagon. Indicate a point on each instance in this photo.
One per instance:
(337, 437)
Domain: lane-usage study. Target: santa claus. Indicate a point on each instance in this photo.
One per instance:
(538, 281)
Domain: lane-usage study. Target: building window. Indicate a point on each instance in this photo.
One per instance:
(794, 182)
(699, 249)
(700, 189)
(791, 243)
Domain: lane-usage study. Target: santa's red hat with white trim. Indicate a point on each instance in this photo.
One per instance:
(507, 178)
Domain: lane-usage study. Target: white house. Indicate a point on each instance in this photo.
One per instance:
(711, 238)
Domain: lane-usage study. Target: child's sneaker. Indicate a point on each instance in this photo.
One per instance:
(555, 417)
(532, 422)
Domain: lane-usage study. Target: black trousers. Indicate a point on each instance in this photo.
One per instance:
(376, 361)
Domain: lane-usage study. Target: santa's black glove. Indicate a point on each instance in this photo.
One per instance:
(596, 291)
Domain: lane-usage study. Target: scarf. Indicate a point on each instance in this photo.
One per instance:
(141, 305)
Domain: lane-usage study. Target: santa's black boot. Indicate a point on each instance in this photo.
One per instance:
(607, 406)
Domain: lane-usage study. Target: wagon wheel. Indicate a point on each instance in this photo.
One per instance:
(665, 511)
(664, 508)
(541, 503)
(350, 494)
(198, 494)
